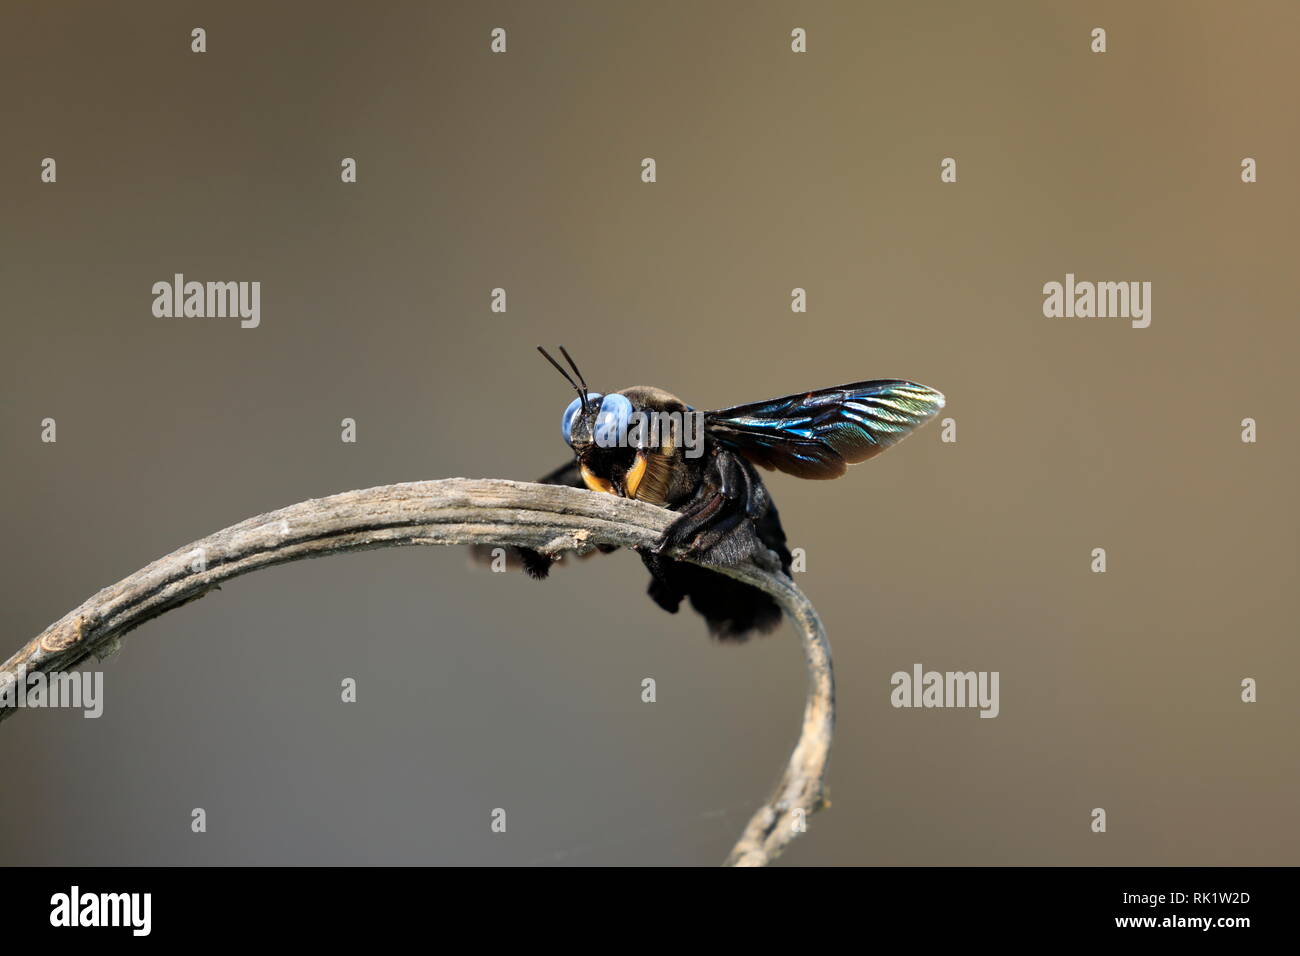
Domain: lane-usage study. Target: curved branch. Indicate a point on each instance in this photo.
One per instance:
(547, 518)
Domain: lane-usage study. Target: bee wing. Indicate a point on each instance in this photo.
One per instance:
(819, 434)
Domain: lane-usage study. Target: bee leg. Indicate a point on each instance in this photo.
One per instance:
(719, 510)
(731, 482)
(536, 564)
(719, 522)
(757, 500)
(688, 523)
(745, 527)
(663, 590)
(708, 539)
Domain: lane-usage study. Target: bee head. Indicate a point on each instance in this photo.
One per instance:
(594, 425)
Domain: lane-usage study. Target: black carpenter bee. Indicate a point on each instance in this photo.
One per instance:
(646, 444)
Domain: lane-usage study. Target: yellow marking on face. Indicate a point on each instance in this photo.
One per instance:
(596, 483)
(634, 476)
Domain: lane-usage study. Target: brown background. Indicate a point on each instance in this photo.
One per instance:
(775, 170)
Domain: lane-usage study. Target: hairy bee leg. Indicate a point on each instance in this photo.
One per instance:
(739, 481)
(746, 526)
(536, 564)
(735, 488)
(757, 501)
(688, 523)
(707, 539)
(717, 486)
(729, 474)
(662, 589)
(717, 513)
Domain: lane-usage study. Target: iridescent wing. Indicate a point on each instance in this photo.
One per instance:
(819, 434)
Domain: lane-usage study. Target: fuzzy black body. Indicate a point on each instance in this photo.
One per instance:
(725, 516)
(707, 475)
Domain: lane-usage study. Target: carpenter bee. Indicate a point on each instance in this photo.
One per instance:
(646, 444)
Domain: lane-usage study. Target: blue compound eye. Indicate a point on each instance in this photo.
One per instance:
(566, 423)
(612, 421)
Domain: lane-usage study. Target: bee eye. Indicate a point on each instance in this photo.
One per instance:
(612, 421)
(566, 423)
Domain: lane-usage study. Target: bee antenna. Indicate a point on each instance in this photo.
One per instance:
(582, 392)
(573, 365)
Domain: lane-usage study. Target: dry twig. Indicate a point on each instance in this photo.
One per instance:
(548, 518)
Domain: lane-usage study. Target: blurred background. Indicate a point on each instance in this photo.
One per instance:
(775, 171)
